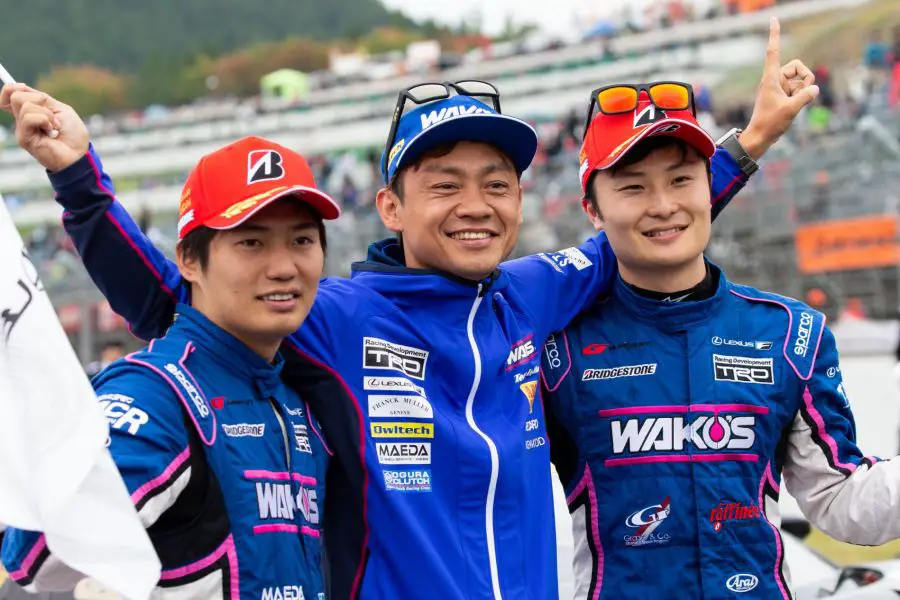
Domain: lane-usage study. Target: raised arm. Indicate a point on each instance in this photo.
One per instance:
(849, 496)
(137, 279)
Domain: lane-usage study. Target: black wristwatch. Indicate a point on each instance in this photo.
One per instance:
(732, 145)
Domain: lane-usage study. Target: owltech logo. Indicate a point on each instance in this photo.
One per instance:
(402, 430)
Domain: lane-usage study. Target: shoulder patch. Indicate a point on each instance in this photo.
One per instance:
(556, 360)
(178, 376)
(805, 328)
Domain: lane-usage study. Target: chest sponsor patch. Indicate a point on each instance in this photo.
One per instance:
(522, 352)
(400, 406)
(520, 377)
(408, 480)
(244, 429)
(742, 369)
(404, 453)
(301, 436)
(569, 257)
(616, 372)
(381, 354)
(402, 430)
(645, 522)
(391, 384)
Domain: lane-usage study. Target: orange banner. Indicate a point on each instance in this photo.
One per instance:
(842, 245)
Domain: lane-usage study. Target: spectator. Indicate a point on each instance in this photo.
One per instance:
(876, 52)
(111, 352)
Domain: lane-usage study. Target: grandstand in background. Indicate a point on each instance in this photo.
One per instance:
(818, 223)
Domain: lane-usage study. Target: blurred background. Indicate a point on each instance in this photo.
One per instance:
(162, 83)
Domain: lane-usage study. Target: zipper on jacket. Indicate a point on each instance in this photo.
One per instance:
(284, 433)
(495, 457)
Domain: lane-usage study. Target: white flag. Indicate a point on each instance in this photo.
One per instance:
(56, 475)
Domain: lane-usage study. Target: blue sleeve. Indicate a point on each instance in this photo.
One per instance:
(330, 327)
(727, 180)
(559, 285)
(139, 282)
(148, 442)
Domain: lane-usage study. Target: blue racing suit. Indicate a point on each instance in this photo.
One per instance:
(671, 425)
(223, 462)
(426, 388)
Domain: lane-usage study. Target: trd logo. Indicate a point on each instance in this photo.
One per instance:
(381, 354)
(656, 434)
(743, 370)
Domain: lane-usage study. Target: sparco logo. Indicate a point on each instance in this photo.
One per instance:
(381, 354)
(672, 433)
(551, 351)
(189, 387)
(743, 370)
(629, 371)
(801, 347)
(741, 582)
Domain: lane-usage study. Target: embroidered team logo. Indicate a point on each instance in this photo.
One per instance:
(264, 165)
(529, 388)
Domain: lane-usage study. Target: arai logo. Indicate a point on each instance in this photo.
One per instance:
(741, 582)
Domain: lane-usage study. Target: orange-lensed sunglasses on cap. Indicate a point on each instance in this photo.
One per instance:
(623, 98)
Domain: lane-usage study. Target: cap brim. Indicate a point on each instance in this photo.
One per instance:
(317, 200)
(514, 137)
(692, 134)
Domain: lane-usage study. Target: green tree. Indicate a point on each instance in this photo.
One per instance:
(90, 90)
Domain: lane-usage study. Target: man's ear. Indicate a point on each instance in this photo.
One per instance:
(521, 196)
(389, 209)
(188, 266)
(594, 215)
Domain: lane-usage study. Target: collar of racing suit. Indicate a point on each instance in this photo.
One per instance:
(672, 316)
(227, 350)
(386, 257)
(703, 290)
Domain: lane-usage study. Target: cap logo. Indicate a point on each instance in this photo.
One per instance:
(664, 129)
(264, 165)
(647, 115)
(184, 220)
(397, 148)
(436, 116)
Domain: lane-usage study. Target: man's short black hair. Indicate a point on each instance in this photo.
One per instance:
(441, 150)
(195, 245)
(642, 150)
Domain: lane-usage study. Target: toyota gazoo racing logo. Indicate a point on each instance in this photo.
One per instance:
(741, 582)
(646, 521)
(804, 332)
(661, 434)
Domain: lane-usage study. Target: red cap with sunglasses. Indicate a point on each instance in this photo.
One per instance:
(627, 114)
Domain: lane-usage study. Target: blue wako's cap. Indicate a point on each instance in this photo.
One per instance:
(458, 119)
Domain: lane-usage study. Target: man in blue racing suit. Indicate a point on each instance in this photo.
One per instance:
(417, 365)
(677, 402)
(224, 463)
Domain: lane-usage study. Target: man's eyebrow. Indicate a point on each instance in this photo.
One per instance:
(255, 227)
(459, 172)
